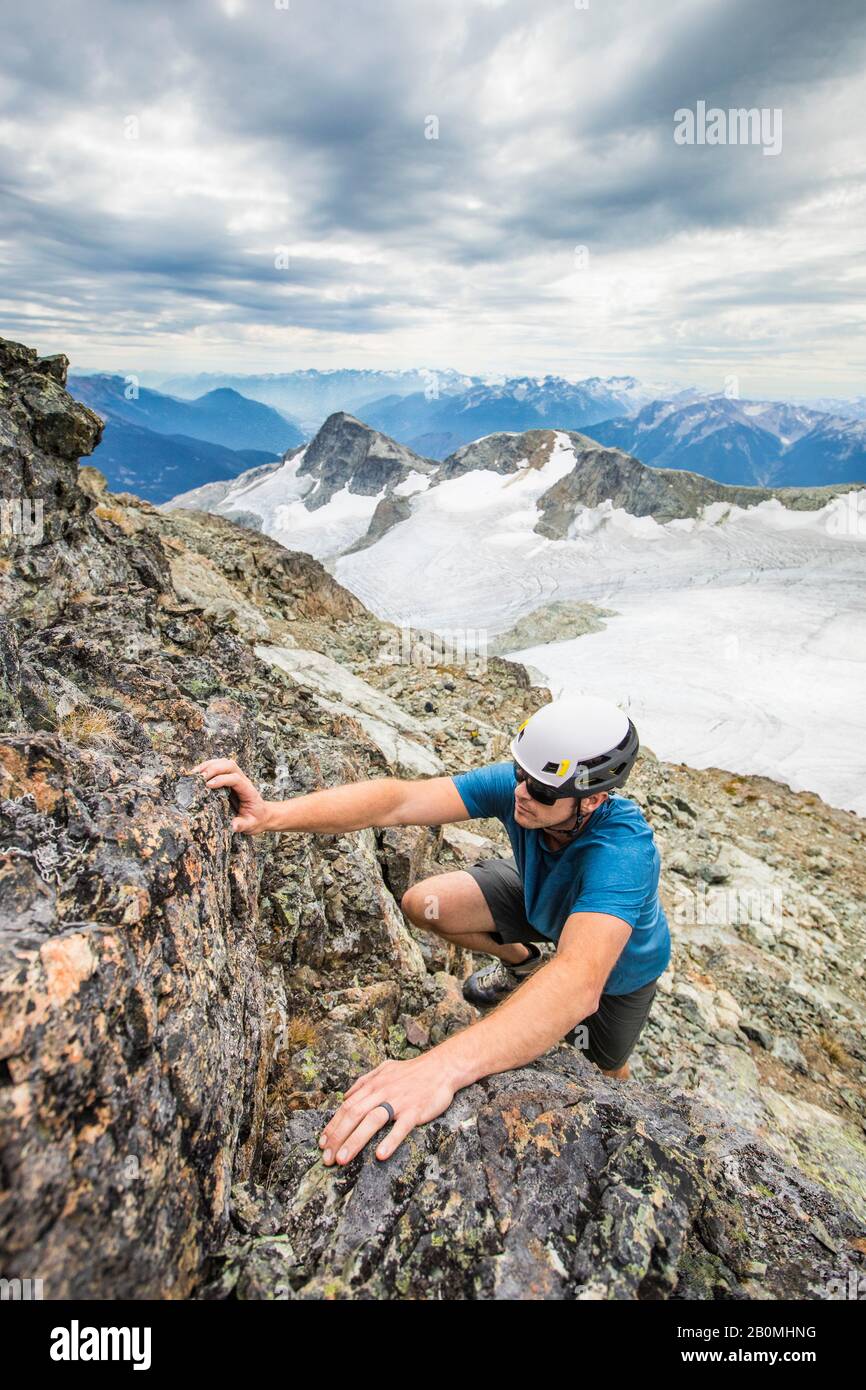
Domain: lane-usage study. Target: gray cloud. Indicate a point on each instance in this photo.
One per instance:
(304, 128)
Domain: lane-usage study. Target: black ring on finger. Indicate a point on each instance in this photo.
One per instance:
(384, 1104)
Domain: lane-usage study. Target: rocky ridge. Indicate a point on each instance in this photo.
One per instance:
(181, 1008)
(349, 454)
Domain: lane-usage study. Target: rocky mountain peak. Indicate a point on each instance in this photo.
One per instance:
(346, 453)
(501, 453)
(604, 473)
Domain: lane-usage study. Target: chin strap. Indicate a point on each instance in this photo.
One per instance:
(571, 834)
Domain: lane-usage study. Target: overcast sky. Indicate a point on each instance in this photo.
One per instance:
(160, 161)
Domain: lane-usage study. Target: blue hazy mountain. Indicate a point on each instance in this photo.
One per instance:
(768, 443)
(222, 416)
(157, 466)
(309, 396)
(437, 425)
(834, 451)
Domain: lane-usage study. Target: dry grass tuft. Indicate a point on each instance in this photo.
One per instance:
(835, 1051)
(88, 727)
(300, 1031)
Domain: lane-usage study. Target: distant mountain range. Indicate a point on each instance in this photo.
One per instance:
(834, 451)
(440, 425)
(852, 407)
(434, 414)
(765, 443)
(155, 443)
(222, 416)
(309, 397)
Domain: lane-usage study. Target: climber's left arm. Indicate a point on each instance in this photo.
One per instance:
(525, 1025)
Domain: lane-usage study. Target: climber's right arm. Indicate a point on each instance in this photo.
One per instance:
(381, 801)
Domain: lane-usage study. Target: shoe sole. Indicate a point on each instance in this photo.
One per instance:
(489, 1003)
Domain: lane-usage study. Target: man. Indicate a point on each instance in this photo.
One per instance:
(584, 875)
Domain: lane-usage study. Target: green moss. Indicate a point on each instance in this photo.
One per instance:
(200, 687)
(307, 1066)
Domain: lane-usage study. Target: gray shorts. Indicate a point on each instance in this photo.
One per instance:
(608, 1036)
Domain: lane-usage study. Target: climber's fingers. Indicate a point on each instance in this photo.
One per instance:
(213, 765)
(224, 779)
(245, 799)
(353, 1142)
(402, 1126)
(343, 1121)
(356, 1102)
(416, 1091)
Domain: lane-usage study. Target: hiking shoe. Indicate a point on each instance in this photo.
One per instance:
(492, 983)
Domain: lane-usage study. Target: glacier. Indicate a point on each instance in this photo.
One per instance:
(740, 635)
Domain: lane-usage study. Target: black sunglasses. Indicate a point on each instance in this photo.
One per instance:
(538, 790)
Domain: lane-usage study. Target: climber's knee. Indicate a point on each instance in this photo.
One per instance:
(419, 904)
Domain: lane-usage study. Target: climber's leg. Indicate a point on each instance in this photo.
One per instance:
(612, 1031)
(621, 1074)
(453, 906)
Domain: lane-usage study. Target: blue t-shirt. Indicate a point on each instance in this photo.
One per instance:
(613, 867)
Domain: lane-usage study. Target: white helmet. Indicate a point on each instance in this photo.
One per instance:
(576, 747)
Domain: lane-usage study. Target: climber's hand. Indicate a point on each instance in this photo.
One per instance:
(252, 810)
(418, 1090)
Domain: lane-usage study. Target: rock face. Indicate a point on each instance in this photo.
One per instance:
(43, 433)
(347, 453)
(540, 1184)
(181, 1008)
(132, 1014)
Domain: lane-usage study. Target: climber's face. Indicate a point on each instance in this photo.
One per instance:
(534, 815)
(527, 811)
